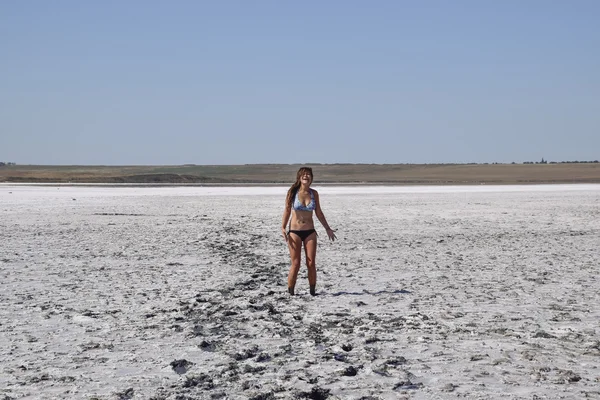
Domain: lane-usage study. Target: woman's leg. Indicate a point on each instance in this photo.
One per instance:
(310, 250)
(295, 246)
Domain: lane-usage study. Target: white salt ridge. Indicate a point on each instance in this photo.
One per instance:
(99, 190)
(430, 292)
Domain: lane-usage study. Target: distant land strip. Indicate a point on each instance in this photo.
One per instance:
(266, 174)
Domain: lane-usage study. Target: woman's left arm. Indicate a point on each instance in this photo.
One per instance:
(321, 217)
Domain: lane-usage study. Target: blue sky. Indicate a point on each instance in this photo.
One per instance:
(235, 82)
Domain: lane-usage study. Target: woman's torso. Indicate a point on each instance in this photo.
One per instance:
(303, 205)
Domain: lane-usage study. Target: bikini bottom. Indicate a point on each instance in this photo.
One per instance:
(303, 234)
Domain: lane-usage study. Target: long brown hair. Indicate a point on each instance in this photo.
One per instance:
(294, 188)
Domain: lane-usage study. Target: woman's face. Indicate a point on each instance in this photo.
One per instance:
(305, 178)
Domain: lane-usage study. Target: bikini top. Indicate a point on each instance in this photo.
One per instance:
(301, 207)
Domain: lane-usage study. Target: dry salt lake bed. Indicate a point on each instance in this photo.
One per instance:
(482, 292)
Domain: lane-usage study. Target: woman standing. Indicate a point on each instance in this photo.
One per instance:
(300, 203)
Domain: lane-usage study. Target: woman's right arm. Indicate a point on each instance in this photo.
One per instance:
(286, 217)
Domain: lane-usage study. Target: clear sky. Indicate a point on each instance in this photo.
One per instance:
(235, 82)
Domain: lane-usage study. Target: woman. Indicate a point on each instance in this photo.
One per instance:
(300, 203)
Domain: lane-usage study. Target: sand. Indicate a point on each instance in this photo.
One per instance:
(180, 293)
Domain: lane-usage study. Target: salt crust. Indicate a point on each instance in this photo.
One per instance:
(429, 293)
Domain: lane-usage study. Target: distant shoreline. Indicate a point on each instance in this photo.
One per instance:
(316, 184)
(285, 174)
